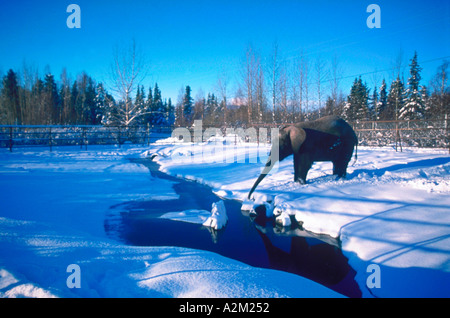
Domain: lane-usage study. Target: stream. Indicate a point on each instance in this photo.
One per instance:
(258, 242)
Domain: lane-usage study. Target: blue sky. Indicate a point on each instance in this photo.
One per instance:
(191, 42)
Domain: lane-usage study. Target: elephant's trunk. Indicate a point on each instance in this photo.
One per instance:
(263, 174)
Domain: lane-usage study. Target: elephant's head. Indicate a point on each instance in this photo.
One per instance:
(289, 140)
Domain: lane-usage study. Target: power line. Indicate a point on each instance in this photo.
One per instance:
(385, 70)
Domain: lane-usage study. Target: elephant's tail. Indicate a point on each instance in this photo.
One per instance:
(356, 154)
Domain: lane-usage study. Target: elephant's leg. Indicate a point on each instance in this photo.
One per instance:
(296, 167)
(340, 164)
(339, 168)
(341, 171)
(302, 164)
(335, 168)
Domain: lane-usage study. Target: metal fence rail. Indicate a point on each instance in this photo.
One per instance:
(432, 134)
(420, 133)
(51, 136)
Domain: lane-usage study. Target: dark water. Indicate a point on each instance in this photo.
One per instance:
(254, 241)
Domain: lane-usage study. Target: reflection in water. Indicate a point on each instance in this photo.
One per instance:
(254, 241)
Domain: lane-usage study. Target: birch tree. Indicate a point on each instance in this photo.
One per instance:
(127, 72)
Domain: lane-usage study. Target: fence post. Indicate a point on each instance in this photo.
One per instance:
(85, 141)
(446, 129)
(10, 139)
(118, 136)
(50, 138)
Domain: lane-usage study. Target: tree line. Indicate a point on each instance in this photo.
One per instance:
(277, 90)
(44, 101)
(412, 101)
(273, 90)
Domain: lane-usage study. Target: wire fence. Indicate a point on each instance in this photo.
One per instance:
(420, 133)
(398, 134)
(12, 136)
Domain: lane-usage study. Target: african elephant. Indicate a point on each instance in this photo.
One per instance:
(327, 139)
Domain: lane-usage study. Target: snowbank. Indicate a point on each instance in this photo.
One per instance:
(216, 219)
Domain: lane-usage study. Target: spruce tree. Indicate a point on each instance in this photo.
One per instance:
(170, 113)
(395, 99)
(187, 106)
(90, 110)
(356, 107)
(426, 100)
(10, 99)
(36, 100)
(157, 109)
(148, 118)
(75, 104)
(101, 104)
(211, 110)
(51, 99)
(380, 108)
(362, 112)
(413, 107)
(139, 103)
(374, 99)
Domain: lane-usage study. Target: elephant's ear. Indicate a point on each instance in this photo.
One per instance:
(297, 136)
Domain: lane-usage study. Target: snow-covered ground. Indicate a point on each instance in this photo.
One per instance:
(52, 215)
(392, 211)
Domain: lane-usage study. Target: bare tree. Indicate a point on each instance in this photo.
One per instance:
(127, 72)
(274, 70)
(321, 76)
(283, 88)
(199, 105)
(222, 86)
(440, 96)
(260, 94)
(66, 97)
(253, 81)
(398, 66)
(305, 84)
(336, 94)
(249, 78)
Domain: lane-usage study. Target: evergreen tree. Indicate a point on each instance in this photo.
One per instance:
(91, 113)
(187, 106)
(395, 99)
(66, 99)
(158, 109)
(39, 115)
(381, 105)
(10, 99)
(102, 105)
(426, 100)
(373, 102)
(140, 103)
(329, 106)
(356, 107)
(413, 107)
(51, 99)
(170, 113)
(211, 110)
(75, 104)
